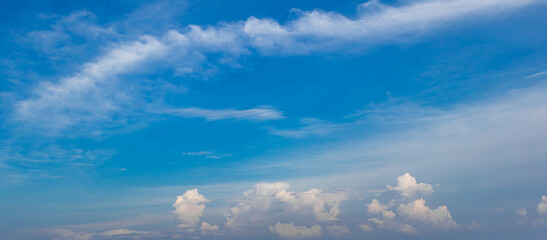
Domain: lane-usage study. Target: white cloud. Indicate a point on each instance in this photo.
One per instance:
(521, 212)
(121, 232)
(90, 96)
(291, 231)
(266, 200)
(408, 186)
(376, 22)
(94, 100)
(314, 127)
(318, 200)
(535, 75)
(542, 206)
(536, 222)
(489, 133)
(438, 218)
(189, 208)
(375, 207)
(206, 154)
(262, 113)
(411, 216)
(58, 41)
(207, 228)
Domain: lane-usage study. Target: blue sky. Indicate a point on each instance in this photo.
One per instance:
(273, 119)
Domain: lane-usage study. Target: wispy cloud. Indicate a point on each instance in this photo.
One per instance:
(206, 154)
(501, 133)
(535, 75)
(262, 113)
(95, 99)
(91, 96)
(313, 127)
(20, 163)
(374, 22)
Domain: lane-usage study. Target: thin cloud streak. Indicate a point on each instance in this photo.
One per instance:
(262, 113)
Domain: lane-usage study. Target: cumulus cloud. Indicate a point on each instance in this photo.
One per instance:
(408, 217)
(266, 200)
(542, 206)
(408, 186)
(439, 218)
(207, 228)
(375, 207)
(534, 221)
(189, 208)
(291, 231)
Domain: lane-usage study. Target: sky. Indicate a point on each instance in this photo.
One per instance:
(210, 119)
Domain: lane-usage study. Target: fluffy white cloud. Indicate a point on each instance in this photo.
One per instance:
(189, 208)
(319, 202)
(408, 186)
(409, 216)
(536, 222)
(291, 231)
(375, 207)
(542, 206)
(439, 218)
(207, 228)
(275, 199)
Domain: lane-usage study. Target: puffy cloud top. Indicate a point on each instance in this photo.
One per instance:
(542, 206)
(268, 198)
(189, 207)
(408, 186)
(418, 211)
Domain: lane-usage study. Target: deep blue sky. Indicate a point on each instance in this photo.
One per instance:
(112, 109)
